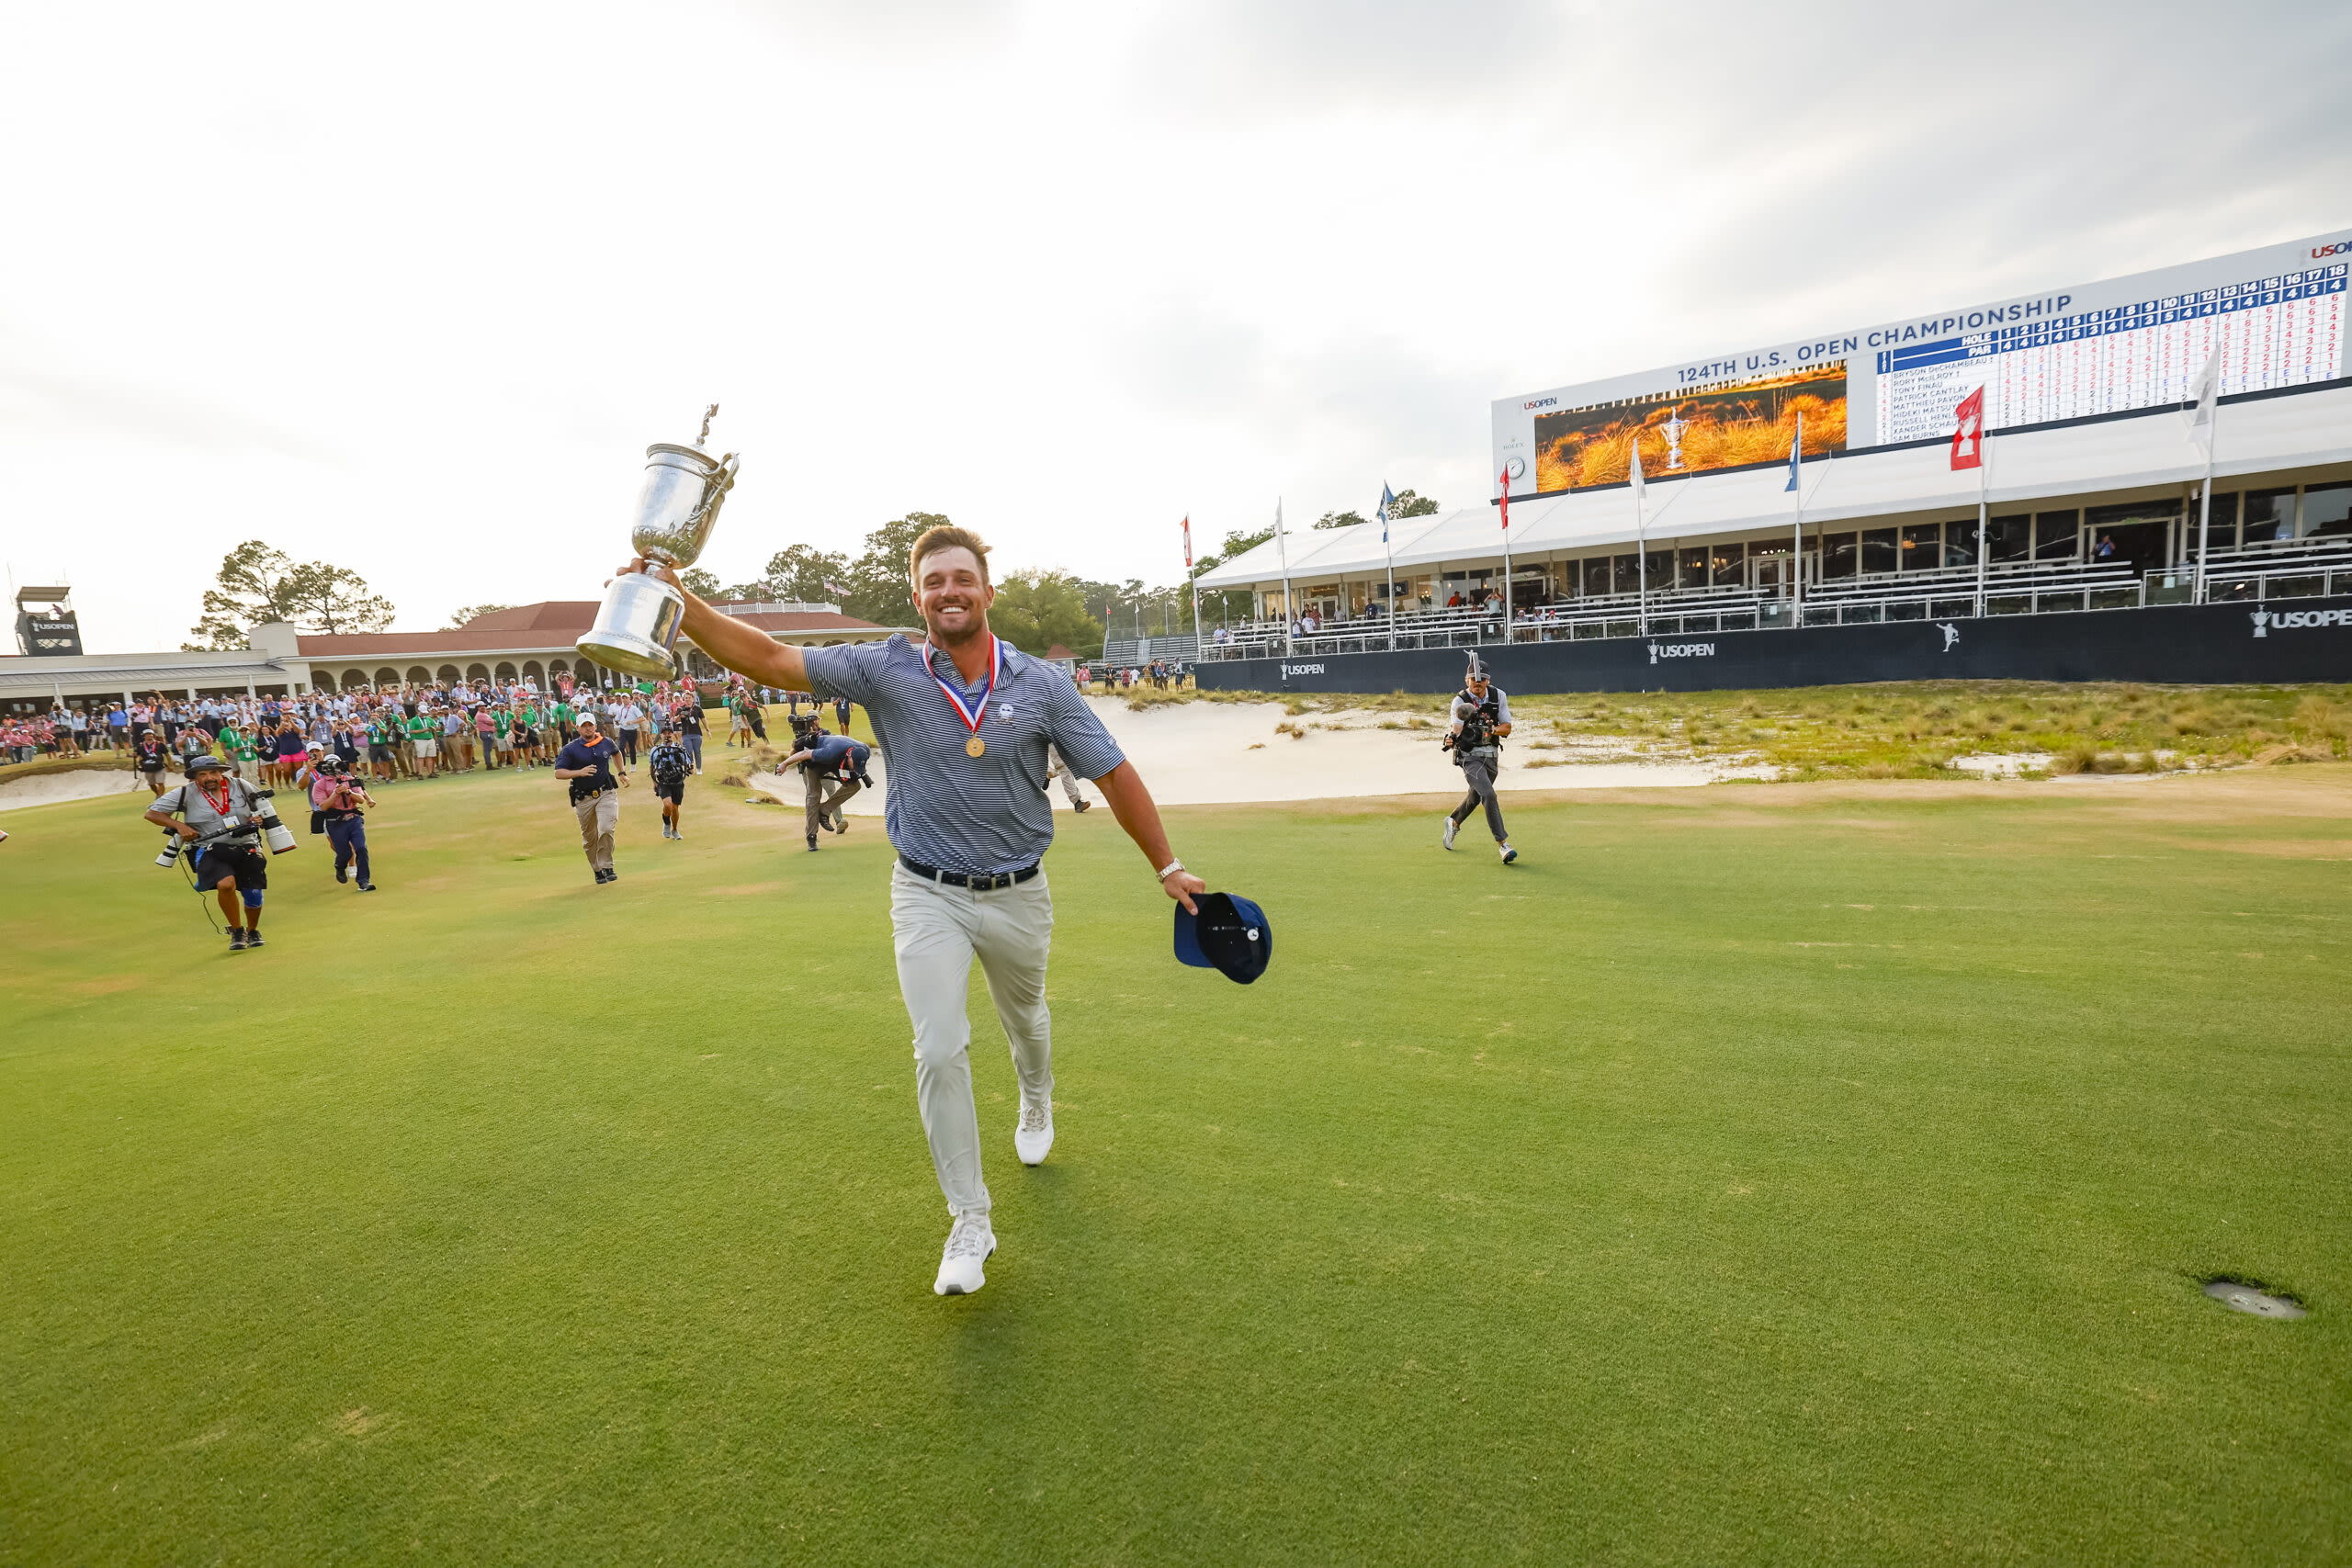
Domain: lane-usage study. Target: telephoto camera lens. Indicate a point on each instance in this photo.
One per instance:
(170, 857)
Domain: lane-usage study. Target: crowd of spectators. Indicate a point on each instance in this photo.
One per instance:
(384, 733)
(1110, 681)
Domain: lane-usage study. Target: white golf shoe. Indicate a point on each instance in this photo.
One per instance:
(1508, 853)
(1450, 825)
(968, 1247)
(1032, 1135)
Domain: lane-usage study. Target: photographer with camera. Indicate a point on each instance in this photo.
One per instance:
(340, 799)
(152, 758)
(1481, 716)
(825, 758)
(586, 764)
(670, 766)
(221, 820)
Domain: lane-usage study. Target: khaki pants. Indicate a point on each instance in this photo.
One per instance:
(937, 932)
(600, 816)
(820, 804)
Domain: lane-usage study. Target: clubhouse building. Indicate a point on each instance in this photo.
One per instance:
(530, 643)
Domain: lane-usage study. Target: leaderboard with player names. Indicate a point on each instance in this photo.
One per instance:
(2284, 331)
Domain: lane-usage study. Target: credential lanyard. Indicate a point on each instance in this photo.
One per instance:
(971, 715)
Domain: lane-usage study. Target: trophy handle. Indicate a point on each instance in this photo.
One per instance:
(720, 483)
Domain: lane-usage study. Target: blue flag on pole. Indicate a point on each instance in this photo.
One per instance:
(1796, 454)
(1387, 499)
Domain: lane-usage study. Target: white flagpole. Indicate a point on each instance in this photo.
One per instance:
(2210, 418)
(1389, 551)
(1282, 546)
(1796, 561)
(1193, 578)
(1506, 480)
(1984, 534)
(1641, 541)
(2204, 523)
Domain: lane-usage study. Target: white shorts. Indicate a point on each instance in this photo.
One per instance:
(428, 748)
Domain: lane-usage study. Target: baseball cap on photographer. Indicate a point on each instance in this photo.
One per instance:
(1230, 935)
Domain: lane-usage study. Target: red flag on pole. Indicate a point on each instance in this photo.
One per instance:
(1968, 433)
(1506, 484)
(1188, 541)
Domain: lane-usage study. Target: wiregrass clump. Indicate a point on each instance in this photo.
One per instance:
(1903, 730)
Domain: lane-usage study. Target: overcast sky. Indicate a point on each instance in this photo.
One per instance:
(411, 289)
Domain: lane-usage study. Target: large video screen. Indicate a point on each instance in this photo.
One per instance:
(2276, 315)
(1720, 427)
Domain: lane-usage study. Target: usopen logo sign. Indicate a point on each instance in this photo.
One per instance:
(1681, 650)
(2269, 620)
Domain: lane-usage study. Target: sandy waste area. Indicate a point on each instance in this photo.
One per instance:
(1224, 753)
(47, 789)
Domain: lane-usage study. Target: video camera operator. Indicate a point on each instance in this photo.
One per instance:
(221, 813)
(338, 797)
(670, 766)
(1481, 716)
(823, 759)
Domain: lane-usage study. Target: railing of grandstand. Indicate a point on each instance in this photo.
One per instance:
(2253, 573)
(2302, 569)
(1121, 652)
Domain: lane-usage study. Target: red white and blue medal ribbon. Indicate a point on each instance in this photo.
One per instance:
(972, 714)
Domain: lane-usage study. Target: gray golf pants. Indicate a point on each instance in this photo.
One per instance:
(1479, 774)
(937, 932)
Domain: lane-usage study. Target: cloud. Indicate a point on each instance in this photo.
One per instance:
(921, 28)
(39, 398)
(1274, 59)
(1327, 413)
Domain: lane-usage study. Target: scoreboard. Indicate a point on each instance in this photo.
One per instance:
(2285, 330)
(2275, 316)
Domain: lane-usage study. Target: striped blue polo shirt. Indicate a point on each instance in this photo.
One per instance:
(985, 814)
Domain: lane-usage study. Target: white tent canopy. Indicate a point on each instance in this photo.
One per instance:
(2264, 435)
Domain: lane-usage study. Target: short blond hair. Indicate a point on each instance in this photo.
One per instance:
(946, 536)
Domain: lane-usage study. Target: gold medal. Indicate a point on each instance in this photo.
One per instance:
(974, 746)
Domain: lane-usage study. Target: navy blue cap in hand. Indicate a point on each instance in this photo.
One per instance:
(1229, 934)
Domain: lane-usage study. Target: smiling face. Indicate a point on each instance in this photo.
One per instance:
(953, 592)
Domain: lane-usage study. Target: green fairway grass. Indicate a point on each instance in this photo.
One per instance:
(1804, 1174)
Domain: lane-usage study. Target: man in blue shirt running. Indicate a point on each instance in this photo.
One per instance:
(964, 725)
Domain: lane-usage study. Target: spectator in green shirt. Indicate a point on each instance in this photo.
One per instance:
(425, 740)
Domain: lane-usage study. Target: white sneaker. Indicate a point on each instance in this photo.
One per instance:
(1450, 826)
(1508, 855)
(1032, 1135)
(968, 1247)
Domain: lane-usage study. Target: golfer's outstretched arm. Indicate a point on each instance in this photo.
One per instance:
(743, 649)
(1133, 806)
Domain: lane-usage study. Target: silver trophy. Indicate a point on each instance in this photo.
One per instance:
(637, 626)
(1672, 427)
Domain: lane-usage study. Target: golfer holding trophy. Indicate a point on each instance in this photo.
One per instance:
(965, 724)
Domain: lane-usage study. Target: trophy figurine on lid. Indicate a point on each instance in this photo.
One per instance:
(637, 626)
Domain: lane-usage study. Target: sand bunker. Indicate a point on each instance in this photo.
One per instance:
(1224, 753)
(47, 789)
